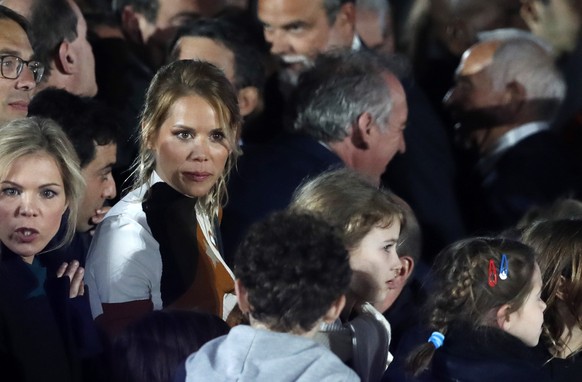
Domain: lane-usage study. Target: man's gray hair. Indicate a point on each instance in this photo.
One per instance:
(342, 86)
(504, 34)
(524, 60)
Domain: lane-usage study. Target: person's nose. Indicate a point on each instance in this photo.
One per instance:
(200, 149)
(278, 40)
(26, 79)
(27, 206)
(109, 190)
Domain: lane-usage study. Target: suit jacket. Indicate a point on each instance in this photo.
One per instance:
(425, 175)
(264, 182)
(534, 172)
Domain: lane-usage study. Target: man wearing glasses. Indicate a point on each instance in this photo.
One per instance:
(18, 73)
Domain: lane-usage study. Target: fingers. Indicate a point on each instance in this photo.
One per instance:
(75, 273)
(77, 283)
(62, 269)
(72, 269)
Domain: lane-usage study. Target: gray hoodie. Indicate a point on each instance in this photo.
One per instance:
(249, 354)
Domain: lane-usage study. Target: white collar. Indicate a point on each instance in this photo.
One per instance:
(514, 136)
(508, 140)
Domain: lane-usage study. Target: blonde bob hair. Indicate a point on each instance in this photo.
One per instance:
(36, 135)
(181, 79)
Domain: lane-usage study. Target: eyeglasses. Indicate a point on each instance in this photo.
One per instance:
(11, 67)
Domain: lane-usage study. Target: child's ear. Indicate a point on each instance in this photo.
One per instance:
(503, 317)
(335, 309)
(242, 296)
(407, 267)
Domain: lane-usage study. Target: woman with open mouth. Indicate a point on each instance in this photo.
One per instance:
(45, 323)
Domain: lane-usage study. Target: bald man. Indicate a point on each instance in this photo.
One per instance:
(505, 95)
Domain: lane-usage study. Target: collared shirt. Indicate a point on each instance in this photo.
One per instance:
(124, 262)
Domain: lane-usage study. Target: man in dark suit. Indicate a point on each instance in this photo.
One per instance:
(300, 30)
(350, 111)
(506, 93)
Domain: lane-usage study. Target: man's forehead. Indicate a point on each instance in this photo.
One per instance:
(477, 58)
(13, 39)
(281, 12)
(22, 7)
(105, 156)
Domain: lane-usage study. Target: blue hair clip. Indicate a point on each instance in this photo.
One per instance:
(503, 268)
(437, 339)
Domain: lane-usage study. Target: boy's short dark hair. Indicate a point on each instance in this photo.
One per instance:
(293, 266)
(87, 122)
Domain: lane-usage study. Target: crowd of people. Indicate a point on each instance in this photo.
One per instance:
(290, 190)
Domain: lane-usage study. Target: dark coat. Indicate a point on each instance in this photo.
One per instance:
(425, 175)
(77, 249)
(473, 355)
(562, 370)
(44, 335)
(265, 179)
(534, 172)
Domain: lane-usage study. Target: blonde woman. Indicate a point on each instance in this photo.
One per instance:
(160, 247)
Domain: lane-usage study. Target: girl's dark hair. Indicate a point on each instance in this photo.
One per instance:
(152, 348)
(558, 246)
(462, 292)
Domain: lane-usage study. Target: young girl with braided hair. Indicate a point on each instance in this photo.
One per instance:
(486, 314)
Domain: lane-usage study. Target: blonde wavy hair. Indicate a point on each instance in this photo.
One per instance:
(181, 79)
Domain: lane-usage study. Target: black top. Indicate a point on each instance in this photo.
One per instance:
(563, 370)
(44, 334)
(484, 354)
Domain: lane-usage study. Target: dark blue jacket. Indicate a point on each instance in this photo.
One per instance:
(264, 182)
(44, 335)
(484, 354)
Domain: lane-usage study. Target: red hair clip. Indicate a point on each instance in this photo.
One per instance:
(492, 273)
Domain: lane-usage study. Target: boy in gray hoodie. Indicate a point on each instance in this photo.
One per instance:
(292, 272)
